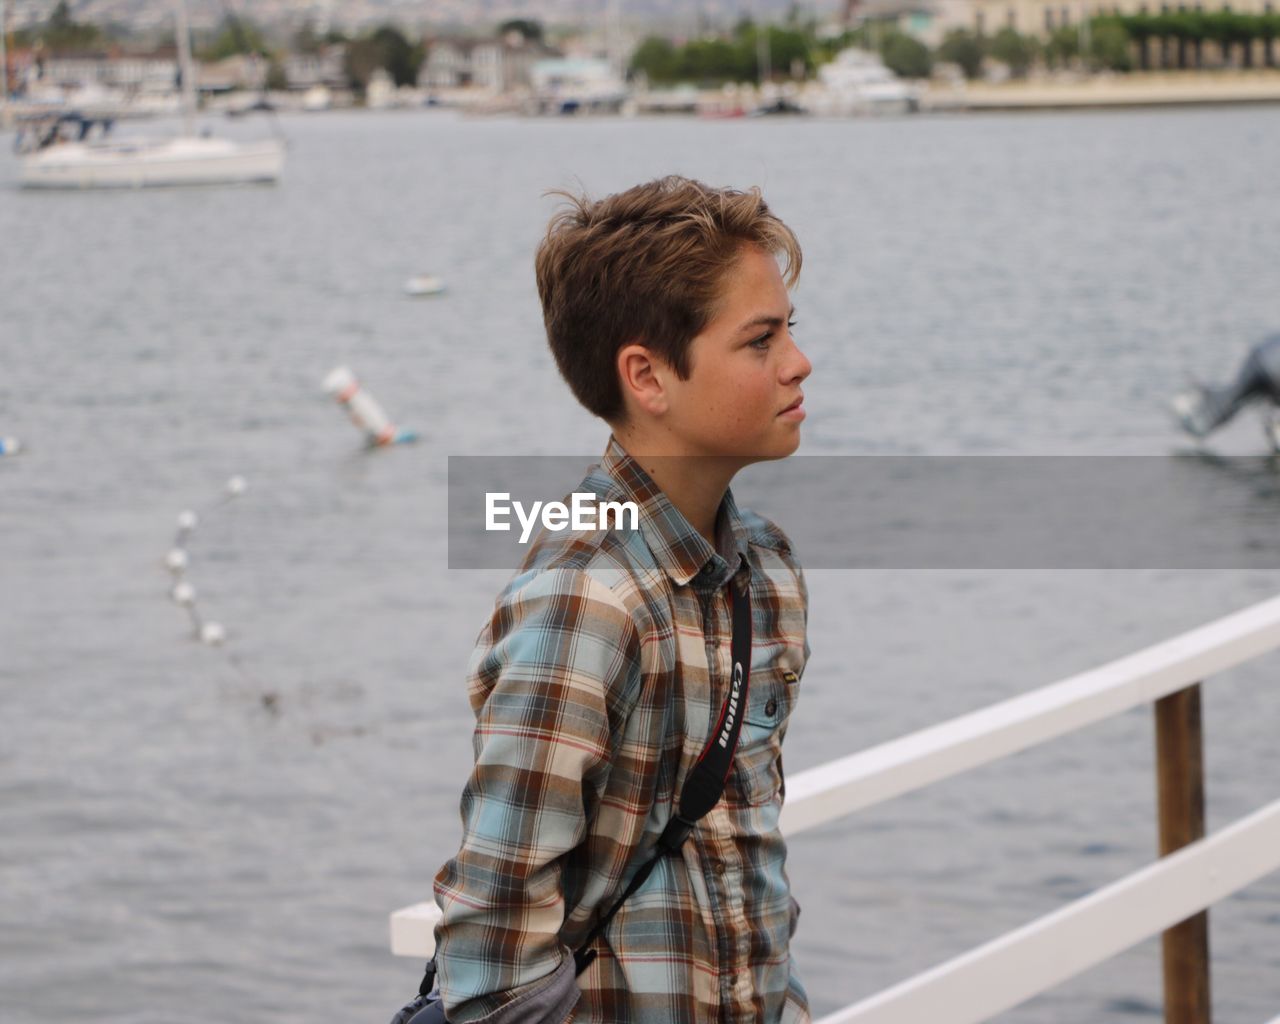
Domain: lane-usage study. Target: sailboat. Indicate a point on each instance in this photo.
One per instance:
(187, 159)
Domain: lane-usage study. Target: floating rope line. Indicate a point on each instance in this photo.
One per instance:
(178, 560)
(183, 592)
(369, 416)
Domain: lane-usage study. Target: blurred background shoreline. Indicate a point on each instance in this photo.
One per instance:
(116, 59)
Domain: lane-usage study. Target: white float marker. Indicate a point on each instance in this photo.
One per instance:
(424, 284)
(364, 410)
(213, 634)
(10, 446)
(184, 595)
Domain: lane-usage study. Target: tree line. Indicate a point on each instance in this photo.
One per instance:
(714, 60)
(61, 33)
(1181, 35)
(1110, 42)
(793, 50)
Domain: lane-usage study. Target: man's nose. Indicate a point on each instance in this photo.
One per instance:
(797, 367)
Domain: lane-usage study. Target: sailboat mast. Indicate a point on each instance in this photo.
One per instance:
(763, 69)
(613, 38)
(186, 66)
(4, 67)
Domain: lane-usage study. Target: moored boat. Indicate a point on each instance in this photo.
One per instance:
(53, 160)
(139, 163)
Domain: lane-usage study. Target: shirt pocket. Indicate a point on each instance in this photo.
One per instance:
(757, 766)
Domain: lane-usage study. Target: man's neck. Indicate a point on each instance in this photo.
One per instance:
(694, 484)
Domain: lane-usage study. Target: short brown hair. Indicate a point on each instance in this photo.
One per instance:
(645, 265)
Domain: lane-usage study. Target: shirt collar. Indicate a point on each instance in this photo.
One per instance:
(681, 551)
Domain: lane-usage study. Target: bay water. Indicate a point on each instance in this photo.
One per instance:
(222, 832)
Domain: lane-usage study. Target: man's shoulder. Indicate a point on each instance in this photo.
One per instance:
(607, 564)
(765, 533)
(774, 559)
(571, 606)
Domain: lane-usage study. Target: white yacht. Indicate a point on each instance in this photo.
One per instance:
(857, 82)
(142, 162)
(576, 85)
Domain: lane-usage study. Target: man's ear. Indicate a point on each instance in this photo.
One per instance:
(642, 375)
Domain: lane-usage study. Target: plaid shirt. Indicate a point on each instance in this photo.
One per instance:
(594, 685)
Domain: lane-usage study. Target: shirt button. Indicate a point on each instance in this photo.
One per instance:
(721, 867)
(771, 708)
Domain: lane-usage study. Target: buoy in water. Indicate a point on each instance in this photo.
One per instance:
(423, 284)
(10, 446)
(364, 410)
(213, 634)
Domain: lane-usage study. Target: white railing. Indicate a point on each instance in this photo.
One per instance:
(1031, 959)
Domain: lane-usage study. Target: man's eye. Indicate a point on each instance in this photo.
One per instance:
(762, 342)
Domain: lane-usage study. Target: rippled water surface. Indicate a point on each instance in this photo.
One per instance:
(226, 831)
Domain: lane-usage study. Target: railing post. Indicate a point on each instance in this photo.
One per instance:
(1180, 787)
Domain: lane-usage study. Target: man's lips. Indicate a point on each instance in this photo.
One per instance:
(794, 405)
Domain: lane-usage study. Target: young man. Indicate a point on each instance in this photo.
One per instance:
(608, 667)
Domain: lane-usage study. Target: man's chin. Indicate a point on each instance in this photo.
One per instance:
(788, 444)
(771, 452)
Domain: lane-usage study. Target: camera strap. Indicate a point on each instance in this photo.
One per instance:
(705, 782)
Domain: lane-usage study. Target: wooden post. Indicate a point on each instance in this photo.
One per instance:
(1180, 786)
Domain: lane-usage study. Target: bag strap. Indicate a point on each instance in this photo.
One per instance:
(428, 981)
(705, 782)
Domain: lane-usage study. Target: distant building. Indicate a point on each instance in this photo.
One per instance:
(499, 65)
(242, 71)
(507, 63)
(448, 64)
(326, 67)
(927, 20)
(146, 73)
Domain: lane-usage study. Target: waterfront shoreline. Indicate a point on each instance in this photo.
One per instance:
(1110, 91)
(1105, 91)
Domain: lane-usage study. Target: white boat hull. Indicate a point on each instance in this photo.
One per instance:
(857, 82)
(144, 164)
